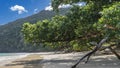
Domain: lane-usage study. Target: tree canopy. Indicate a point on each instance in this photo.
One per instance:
(77, 28)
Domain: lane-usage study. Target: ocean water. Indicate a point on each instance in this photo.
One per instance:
(8, 57)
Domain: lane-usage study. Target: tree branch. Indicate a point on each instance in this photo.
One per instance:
(90, 53)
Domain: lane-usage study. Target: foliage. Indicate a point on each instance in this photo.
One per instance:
(11, 39)
(110, 21)
(80, 26)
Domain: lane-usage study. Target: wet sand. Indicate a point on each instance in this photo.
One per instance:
(31, 61)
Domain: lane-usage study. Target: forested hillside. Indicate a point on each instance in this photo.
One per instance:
(10, 34)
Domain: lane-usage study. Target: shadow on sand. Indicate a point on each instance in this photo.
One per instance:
(94, 62)
(101, 62)
(26, 64)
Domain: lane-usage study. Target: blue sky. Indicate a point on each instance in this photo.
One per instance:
(15, 9)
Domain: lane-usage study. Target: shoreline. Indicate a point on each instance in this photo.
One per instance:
(29, 61)
(6, 58)
(63, 60)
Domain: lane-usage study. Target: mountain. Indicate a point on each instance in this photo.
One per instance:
(11, 39)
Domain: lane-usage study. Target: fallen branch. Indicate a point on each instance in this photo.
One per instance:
(92, 52)
(114, 52)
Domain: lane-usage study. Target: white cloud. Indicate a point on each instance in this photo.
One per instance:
(35, 10)
(18, 8)
(65, 6)
(49, 8)
(81, 4)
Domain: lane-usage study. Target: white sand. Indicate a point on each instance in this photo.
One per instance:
(8, 59)
(52, 60)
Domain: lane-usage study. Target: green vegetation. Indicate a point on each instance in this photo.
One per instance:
(78, 27)
(73, 31)
(11, 39)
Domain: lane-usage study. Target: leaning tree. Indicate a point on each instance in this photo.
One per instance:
(98, 20)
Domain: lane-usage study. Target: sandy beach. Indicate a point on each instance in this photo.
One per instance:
(55, 60)
(31, 61)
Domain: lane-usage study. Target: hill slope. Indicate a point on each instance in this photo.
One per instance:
(10, 34)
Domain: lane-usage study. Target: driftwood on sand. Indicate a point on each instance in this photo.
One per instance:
(97, 47)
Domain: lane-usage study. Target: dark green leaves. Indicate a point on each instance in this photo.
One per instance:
(110, 20)
(82, 24)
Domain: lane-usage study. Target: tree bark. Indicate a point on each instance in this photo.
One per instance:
(88, 58)
(114, 52)
(90, 53)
